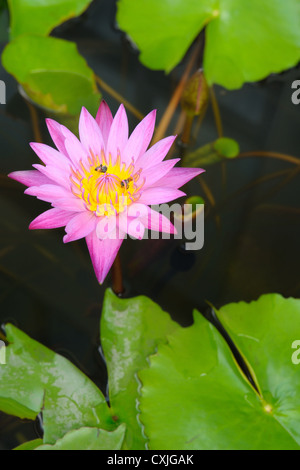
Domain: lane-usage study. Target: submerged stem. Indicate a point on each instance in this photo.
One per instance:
(216, 111)
(219, 126)
(117, 279)
(186, 134)
(119, 98)
(279, 156)
(173, 103)
(210, 198)
(35, 122)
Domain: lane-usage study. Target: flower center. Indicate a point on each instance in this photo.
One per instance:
(106, 188)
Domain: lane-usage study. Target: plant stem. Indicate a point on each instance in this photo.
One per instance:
(219, 126)
(216, 111)
(173, 103)
(186, 134)
(235, 197)
(119, 98)
(210, 198)
(117, 279)
(290, 176)
(178, 128)
(199, 122)
(35, 122)
(279, 156)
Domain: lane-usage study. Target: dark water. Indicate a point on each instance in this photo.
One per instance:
(49, 290)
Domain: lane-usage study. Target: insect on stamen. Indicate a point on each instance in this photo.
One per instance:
(126, 183)
(101, 168)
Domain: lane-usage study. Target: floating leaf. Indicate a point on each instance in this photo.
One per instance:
(30, 445)
(131, 329)
(2, 352)
(89, 439)
(226, 147)
(41, 16)
(211, 153)
(264, 331)
(244, 41)
(194, 205)
(52, 73)
(36, 380)
(194, 395)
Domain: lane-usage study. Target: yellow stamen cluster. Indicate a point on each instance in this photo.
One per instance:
(107, 188)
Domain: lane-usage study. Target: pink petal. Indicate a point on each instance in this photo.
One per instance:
(70, 203)
(30, 177)
(150, 219)
(53, 218)
(157, 195)
(75, 150)
(58, 196)
(80, 226)
(134, 227)
(90, 134)
(156, 153)
(48, 192)
(50, 156)
(157, 222)
(104, 120)
(140, 138)
(103, 253)
(105, 227)
(177, 177)
(58, 138)
(118, 134)
(55, 174)
(156, 172)
(137, 210)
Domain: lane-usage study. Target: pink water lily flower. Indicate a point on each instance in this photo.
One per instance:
(100, 187)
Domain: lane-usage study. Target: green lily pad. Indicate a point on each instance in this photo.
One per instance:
(52, 73)
(264, 332)
(36, 380)
(195, 204)
(2, 352)
(89, 439)
(211, 153)
(194, 396)
(41, 16)
(30, 445)
(131, 330)
(227, 147)
(244, 41)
